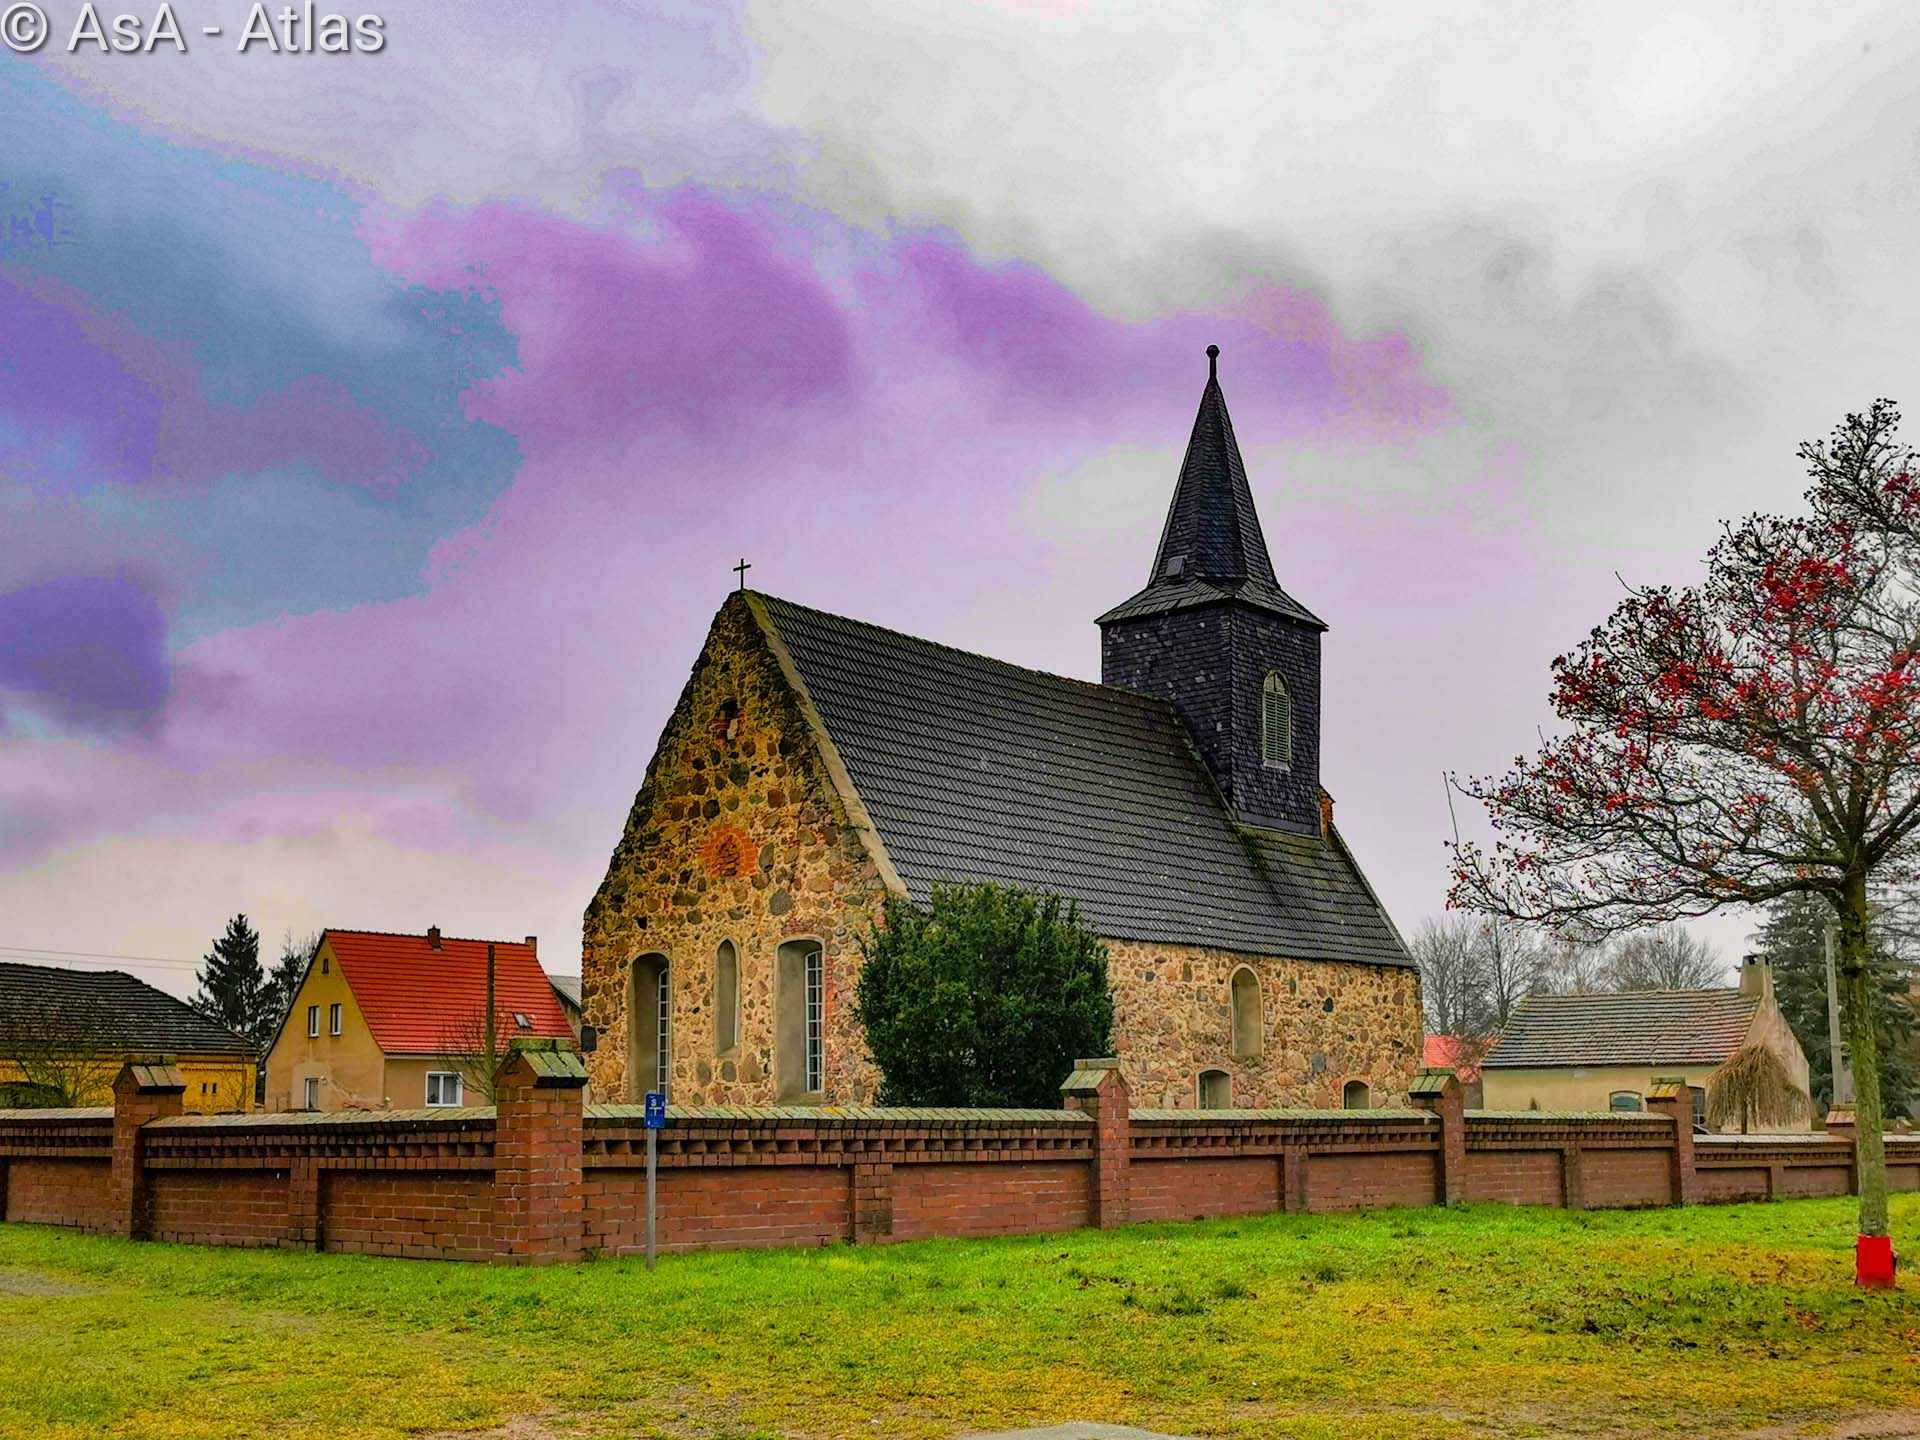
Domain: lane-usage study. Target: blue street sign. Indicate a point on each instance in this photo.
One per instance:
(656, 1110)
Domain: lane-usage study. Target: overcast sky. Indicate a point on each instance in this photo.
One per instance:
(378, 432)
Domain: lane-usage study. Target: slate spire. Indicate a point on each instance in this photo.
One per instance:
(1212, 531)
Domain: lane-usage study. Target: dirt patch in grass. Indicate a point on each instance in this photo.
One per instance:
(35, 1283)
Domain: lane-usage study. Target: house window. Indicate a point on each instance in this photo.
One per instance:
(333, 1019)
(1216, 1090)
(800, 1019)
(649, 1028)
(443, 1089)
(1624, 1100)
(1246, 1014)
(726, 997)
(1276, 723)
(522, 1020)
(313, 1020)
(311, 1099)
(1357, 1096)
(1700, 1107)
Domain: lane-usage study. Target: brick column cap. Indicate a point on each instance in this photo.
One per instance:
(1432, 1083)
(1090, 1076)
(1670, 1090)
(545, 1068)
(156, 1075)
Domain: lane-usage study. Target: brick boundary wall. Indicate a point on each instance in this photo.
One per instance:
(545, 1177)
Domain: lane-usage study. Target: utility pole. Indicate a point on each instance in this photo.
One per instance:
(1842, 1071)
(493, 1035)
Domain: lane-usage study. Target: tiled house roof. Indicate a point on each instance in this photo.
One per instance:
(410, 992)
(124, 1013)
(1643, 1027)
(973, 769)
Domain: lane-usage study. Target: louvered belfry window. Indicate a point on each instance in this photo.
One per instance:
(1276, 723)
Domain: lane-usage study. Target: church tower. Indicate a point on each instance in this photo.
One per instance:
(1214, 633)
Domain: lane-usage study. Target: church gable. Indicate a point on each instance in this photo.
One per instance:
(739, 853)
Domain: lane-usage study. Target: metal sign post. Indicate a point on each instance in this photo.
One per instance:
(656, 1120)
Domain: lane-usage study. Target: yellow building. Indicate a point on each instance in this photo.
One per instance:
(395, 1022)
(64, 1034)
(1605, 1052)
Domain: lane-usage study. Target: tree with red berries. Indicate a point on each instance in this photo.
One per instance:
(1752, 736)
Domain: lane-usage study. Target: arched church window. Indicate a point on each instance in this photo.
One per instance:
(726, 997)
(649, 1025)
(1357, 1096)
(800, 1019)
(1276, 722)
(1247, 1027)
(1216, 1090)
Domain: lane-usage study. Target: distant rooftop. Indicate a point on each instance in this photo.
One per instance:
(1638, 1027)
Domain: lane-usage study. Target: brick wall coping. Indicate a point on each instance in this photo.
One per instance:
(1624, 1117)
(86, 1114)
(830, 1115)
(1791, 1137)
(1348, 1117)
(460, 1117)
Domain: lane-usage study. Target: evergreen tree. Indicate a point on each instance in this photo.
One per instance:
(986, 995)
(1793, 941)
(233, 985)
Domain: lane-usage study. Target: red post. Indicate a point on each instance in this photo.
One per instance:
(144, 1090)
(1874, 1263)
(1439, 1091)
(1674, 1098)
(539, 1197)
(1099, 1089)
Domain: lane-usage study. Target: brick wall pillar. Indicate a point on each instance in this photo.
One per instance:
(303, 1205)
(1099, 1088)
(1842, 1125)
(539, 1194)
(144, 1090)
(1674, 1099)
(872, 1201)
(1439, 1091)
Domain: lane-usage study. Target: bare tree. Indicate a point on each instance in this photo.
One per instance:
(64, 1054)
(1572, 965)
(1452, 953)
(1665, 957)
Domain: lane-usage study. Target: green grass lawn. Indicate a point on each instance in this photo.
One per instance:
(1474, 1321)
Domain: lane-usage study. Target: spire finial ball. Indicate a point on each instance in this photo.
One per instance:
(1213, 361)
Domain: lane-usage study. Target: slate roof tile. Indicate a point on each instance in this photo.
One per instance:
(973, 769)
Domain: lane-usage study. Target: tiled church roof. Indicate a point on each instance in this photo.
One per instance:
(1640, 1027)
(973, 769)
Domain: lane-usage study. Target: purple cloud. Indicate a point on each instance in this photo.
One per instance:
(706, 326)
(91, 650)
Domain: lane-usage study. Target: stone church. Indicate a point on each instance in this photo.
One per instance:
(815, 764)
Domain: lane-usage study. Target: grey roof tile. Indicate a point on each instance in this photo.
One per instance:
(129, 1014)
(973, 769)
(1640, 1027)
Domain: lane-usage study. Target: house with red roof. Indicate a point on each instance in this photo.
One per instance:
(1460, 1054)
(399, 1022)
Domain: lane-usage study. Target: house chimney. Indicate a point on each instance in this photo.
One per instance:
(1326, 816)
(533, 944)
(433, 937)
(1756, 977)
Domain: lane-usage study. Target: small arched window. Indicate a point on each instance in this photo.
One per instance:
(1247, 1025)
(726, 997)
(1624, 1100)
(1216, 1090)
(1357, 1096)
(1276, 723)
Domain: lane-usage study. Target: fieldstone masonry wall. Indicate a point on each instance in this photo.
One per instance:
(1322, 1025)
(737, 835)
